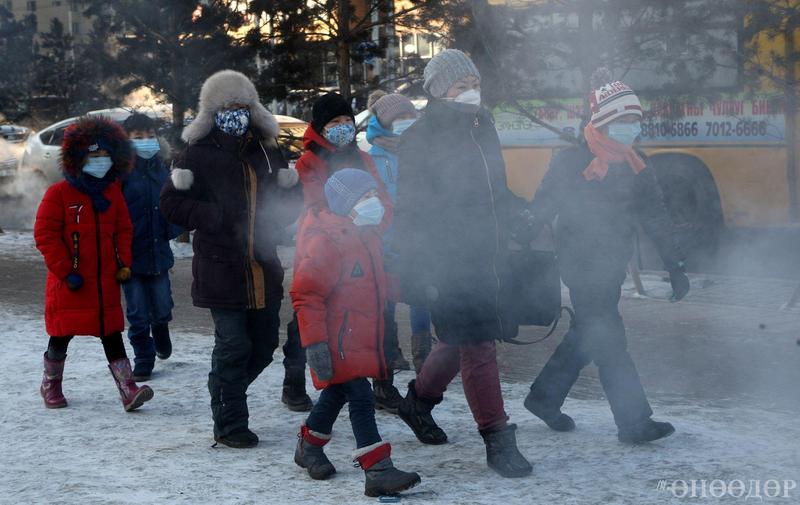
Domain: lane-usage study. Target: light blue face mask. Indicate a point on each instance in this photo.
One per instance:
(624, 133)
(369, 212)
(341, 134)
(401, 125)
(146, 148)
(233, 121)
(98, 166)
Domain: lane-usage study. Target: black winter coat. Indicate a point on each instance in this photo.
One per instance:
(451, 220)
(596, 220)
(152, 254)
(239, 213)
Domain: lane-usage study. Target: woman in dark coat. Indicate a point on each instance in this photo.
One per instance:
(599, 191)
(454, 209)
(230, 189)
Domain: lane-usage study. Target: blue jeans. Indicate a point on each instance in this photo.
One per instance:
(358, 393)
(420, 320)
(149, 303)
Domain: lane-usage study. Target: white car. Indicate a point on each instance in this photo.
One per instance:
(42, 153)
(362, 118)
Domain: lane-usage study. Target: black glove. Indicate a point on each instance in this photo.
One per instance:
(74, 281)
(679, 281)
(319, 360)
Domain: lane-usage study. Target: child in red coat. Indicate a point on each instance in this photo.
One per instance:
(339, 293)
(84, 233)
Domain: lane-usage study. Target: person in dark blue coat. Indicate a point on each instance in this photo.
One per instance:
(148, 294)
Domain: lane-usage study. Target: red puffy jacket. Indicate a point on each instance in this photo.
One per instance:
(339, 293)
(67, 226)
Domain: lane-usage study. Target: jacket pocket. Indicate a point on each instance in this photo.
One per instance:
(342, 331)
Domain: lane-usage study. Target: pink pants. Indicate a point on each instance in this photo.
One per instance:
(478, 365)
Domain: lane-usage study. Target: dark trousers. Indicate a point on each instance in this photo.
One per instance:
(113, 347)
(477, 363)
(148, 300)
(358, 394)
(294, 356)
(598, 334)
(244, 341)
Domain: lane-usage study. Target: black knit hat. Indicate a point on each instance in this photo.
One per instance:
(328, 107)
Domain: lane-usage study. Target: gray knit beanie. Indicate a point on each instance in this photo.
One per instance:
(445, 69)
(389, 107)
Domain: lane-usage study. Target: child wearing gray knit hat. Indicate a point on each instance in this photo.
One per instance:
(445, 69)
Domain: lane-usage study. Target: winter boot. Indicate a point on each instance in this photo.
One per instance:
(400, 362)
(239, 439)
(142, 372)
(382, 478)
(552, 417)
(162, 341)
(294, 390)
(51, 383)
(416, 412)
(502, 454)
(132, 396)
(420, 348)
(387, 397)
(644, 431)
(309, 454)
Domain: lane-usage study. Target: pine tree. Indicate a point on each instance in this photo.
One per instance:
(16, 60)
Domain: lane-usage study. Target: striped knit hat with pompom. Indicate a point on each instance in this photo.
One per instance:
(610, 99)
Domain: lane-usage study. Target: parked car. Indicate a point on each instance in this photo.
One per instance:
(42, 150)
(13, 133)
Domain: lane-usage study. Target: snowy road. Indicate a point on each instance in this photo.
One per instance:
(723, 367)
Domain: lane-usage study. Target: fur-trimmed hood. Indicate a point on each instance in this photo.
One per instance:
(81, 137)
(222, 89)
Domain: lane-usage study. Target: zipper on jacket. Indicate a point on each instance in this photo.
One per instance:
(342, 331)
(476, 124)
(99, 273)
(378, 348)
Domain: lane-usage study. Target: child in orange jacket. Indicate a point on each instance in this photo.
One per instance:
(338, 292)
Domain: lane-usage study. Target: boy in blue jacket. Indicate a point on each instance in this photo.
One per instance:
(148, 294)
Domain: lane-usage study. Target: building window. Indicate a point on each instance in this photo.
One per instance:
(56, 3)
(32, 5)
(76, 28)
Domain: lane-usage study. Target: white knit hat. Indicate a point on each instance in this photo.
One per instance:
(612, 100)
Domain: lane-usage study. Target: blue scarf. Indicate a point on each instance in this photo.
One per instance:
(93, 187)
(375, 129)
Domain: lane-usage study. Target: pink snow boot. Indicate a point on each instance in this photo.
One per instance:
(51, 384)
(132, 395)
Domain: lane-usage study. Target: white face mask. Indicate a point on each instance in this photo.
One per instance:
(401, 125)
(369, 212)
(470, 97)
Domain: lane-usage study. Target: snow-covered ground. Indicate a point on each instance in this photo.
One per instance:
(94, 453)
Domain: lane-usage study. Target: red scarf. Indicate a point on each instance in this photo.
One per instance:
(607, 151)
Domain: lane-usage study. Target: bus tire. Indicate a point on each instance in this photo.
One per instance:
(693, 202)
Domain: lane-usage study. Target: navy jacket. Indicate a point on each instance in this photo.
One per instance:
(151, 232)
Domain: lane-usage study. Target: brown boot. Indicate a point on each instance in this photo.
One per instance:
(132, 396)
(420, 348)
(51, 383)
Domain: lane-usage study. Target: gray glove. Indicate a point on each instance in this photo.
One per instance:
(319, 360)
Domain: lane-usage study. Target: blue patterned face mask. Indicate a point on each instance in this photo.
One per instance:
(97, 166)
(146, 148)
(341, 134)
(233, 121)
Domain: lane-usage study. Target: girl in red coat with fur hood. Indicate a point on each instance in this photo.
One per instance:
(339, 292)
(84, 233)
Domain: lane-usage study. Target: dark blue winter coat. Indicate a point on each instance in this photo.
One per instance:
(151, 232)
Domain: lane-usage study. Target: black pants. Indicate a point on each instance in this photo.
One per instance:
(244, 341)
(113, 347)
(598, 335)
(358, 394)
(294, 356)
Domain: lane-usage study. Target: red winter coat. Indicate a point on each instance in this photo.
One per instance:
(103, 239)
(338, 292)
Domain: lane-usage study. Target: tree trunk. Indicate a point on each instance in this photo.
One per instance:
(343, 50)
